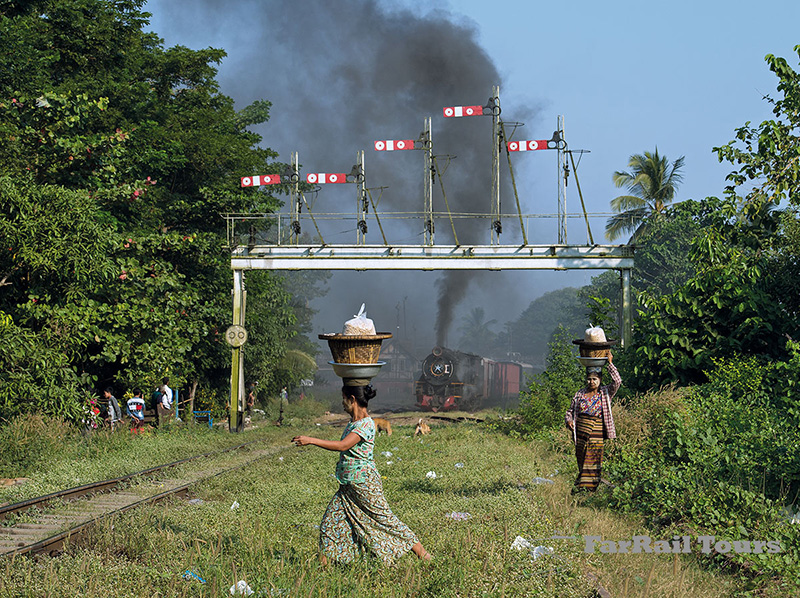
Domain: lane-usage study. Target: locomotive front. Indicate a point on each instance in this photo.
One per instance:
(447, 380)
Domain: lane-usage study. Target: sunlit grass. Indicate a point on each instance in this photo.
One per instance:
(270, 540)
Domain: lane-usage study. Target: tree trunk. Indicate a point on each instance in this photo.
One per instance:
(192, 390)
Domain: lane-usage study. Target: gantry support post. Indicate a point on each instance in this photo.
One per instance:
(626, 307)
(427, 149)
(236, 421)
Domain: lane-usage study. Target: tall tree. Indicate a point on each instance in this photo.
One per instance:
(130, 148)
(533, 330)
(651, 182)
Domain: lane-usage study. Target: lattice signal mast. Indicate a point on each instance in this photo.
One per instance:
(562, 184)
(492, 108)
(425, 144)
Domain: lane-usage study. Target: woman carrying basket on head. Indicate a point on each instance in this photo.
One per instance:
(590, 420)
(358, 517)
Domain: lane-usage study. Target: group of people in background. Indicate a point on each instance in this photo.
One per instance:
(162, 399)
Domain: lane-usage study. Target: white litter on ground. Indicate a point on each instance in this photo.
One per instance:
(431, 475)
(235, 505)
(521, 543)
(455, 516)
(242, 588)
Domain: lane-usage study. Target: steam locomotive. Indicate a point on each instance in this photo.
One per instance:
(453, 380)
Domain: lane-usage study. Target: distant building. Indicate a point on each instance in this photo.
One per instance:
(396, 380)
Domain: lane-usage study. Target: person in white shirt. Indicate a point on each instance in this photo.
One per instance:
(164, 406)
(136, 410)
(166, 394)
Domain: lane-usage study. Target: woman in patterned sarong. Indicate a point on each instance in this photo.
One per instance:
(590, 420)
(358, 517)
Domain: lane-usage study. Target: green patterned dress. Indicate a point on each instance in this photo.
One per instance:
(358, 517)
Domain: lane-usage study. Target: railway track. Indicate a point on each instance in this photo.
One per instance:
(411, 419)
(42, 525)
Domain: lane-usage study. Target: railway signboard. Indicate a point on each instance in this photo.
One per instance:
(236, 335)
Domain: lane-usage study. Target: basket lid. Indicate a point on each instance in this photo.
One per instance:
(332, 336)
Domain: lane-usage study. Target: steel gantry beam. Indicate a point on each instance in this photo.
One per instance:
(439, 257)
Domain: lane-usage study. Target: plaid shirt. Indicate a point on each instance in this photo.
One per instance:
(606, 392)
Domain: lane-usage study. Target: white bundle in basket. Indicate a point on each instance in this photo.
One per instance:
(360, 324)
(594, 334)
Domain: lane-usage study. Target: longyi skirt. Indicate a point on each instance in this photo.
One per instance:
(589, 450)
(359, 519)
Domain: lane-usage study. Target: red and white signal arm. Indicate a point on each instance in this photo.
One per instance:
(323, 177)
(527, 146)
(263, 179)
(456, 111)
(389, 145)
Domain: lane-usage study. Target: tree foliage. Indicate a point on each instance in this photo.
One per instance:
(767, 156)
(476, 331)
(545, 401)
(117, 158)
(533, 331)
(740, 299)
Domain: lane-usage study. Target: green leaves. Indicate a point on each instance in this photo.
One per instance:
(544, 402)
(117, 158)
(769, 155)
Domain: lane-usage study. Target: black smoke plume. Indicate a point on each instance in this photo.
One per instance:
(341, 75)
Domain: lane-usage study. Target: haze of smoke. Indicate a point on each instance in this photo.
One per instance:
(341, 75)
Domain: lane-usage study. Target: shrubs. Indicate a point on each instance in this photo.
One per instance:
(35, 375)
(29, 441)
(549, 394)
(719, 459)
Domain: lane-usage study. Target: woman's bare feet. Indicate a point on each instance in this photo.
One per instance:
(420, 551)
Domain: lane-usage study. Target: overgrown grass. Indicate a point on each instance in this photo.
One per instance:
(55, 457)
(270, 540)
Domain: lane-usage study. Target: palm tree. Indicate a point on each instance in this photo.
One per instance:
(651, 182)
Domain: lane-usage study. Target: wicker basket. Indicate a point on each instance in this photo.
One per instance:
(588, 351)
(355, 348)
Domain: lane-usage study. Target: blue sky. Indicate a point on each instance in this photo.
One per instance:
(630, 76)
(626, 76)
